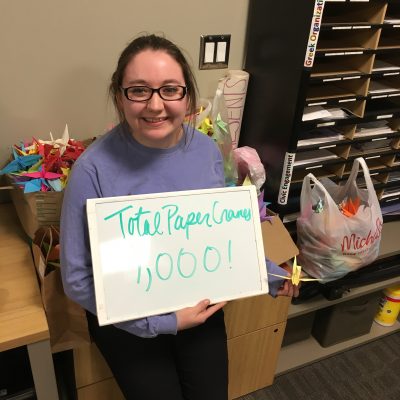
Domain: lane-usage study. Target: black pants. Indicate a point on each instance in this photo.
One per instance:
(192, 365)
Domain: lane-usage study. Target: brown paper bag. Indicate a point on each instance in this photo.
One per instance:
(66, 319)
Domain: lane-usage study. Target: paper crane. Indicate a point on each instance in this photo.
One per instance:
(20, 162)
(41, 180)
(296, 275)
(61, 143)
(350, 207)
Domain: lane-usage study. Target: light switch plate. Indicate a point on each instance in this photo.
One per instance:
(214, 51)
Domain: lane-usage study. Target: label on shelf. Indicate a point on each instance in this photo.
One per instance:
(335, 54)
(384, 116)
(326, 124)
(314, 33)
(315, 166)
(286, 178)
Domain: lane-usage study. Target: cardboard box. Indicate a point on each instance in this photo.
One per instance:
(278, 244)
(36, 210)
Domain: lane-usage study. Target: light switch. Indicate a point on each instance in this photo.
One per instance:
(209, 52)
(221, 52)
(214, 51)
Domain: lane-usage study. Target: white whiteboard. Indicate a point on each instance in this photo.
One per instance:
(158, 253)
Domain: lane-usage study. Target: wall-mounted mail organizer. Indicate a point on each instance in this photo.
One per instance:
(323, 92)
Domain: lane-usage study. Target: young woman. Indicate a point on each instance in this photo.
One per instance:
(180, 355)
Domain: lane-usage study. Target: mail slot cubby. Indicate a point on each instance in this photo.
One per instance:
(395, 143)
(321, 154)
(320, 170)
(354, 13)
(374, 162)
(389, 40)
(348, 40)
(342, 67)
(380, 85)
(377, 178)
(375, 129)
(395, 124)
(340, 109)
(390, 194)
(362, 148)
(392, 13)
(328, 137)
(394, 176)
(386, 63)
(383, 107)
(338, 89)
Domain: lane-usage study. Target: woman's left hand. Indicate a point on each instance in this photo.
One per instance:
(288, 289)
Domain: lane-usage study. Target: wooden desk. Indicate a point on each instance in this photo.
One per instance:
(22, 318)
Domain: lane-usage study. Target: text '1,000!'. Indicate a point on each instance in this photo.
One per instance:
(185, 263)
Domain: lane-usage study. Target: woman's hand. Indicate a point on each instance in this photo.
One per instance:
(193, 316)
(288, 289)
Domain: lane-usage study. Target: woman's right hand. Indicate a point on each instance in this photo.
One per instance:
(192, 316)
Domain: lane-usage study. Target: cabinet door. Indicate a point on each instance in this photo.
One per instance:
(104, 390)
(90, 366)
(253, 358)
(253, 313)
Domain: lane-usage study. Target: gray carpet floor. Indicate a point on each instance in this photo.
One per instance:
(367, 372)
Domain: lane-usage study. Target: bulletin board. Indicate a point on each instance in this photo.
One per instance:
(157, 253)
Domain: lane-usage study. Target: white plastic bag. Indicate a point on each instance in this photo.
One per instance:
(249, 165)
(332, 244)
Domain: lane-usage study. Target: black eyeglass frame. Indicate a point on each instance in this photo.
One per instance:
(125, 91)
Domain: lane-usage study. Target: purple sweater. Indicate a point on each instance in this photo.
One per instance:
(117, 165)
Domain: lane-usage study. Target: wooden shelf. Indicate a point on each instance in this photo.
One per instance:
(320, 302)
(308, 351)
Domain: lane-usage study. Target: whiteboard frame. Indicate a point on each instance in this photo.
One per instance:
(91, 204)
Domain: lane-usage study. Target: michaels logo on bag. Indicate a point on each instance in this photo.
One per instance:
(354, 244)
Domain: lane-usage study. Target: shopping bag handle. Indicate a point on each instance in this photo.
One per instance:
(353, 175)
(306, 191)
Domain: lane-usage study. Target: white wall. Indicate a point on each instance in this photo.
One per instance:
(57, 57)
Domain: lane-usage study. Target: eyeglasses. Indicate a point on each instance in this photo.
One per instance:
(145, 93)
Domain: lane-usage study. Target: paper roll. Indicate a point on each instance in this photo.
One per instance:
(234, 88)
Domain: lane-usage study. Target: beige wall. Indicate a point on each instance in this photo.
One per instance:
(57, 57)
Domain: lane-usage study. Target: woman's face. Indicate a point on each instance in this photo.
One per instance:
(154, 123)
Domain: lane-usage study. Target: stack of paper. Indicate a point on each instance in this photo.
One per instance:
(373, 128)
(313, 156)
(318, 112)
(320, 136)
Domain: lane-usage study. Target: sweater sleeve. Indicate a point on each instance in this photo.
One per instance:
(76, 262)
(274, 282)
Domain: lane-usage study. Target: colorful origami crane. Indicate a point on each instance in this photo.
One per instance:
(350, 207)
(43, 165)
(20, 162)
(296, 275)
(41, 180)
